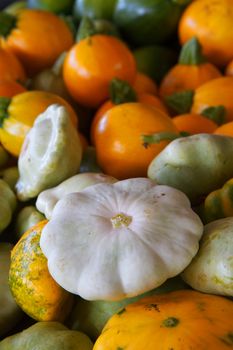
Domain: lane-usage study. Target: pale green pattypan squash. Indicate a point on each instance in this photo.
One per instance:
(8, 204)
(50, 154)
(112, 241)
(196, 164)
(211, 271)
(47, 199)
(10, 313)
(26, 218)
(47, 336)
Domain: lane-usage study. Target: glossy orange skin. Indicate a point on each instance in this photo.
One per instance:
(92, 63)
(120, 149)
(198, 321)
(187, 77)
(194, 124)
(229, 69)
(144, 84)
(211, 22)
(225, 129)
(215, 93)
(22, 112)
(10, 66)
(10, 88)
(38, 39)
(142, 98)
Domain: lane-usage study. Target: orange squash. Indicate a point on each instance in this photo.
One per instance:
(179, 320)
(144, 84)
(10, 88)
(120, 147)
(225, 129)
(214, 93)
(194, 124)
(211, 22)
(37, 38)
(229, 69)
(92, 63)
(191, 71)
(19, 113)
(32, 286)
(10, 66)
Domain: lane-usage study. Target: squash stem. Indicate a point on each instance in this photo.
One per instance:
(171, 322)
(4, 103)
(191, 53)
(121, 92)
(7, 23)
(89, 27)
(158, 137)
(180, 102)
(217, 114)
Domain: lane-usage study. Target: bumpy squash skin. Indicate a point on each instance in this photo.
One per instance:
(211, 270)
(178, 320)
(32, 286)
(47, 336)
(196, 164)
(10, 313)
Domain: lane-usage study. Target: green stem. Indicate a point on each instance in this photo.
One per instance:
(158, 137)
(191, 53)
(170, 322)
(7, 23)
(121, 92)
(4, 103)
(180, 102)
(217, 114)
(89, 27)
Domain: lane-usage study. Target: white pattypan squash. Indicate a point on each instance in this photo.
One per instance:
(50, 154)
(47, 199)
(112, 241)
(211, 270)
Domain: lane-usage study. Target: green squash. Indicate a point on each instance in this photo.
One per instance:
(10, 176)
(196, 164)
(7, 204)
(148, 22)
(96, 9)
(155, 60)
(26, 218)
(56, 6)
(3, 156)
(90, 316)
(10, 313)
(47, 336)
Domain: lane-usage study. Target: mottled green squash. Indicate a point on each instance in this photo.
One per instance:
(196, 165)
(47, 336)
(26, 218)
(10, 176)
(10, 313)
(91, 316)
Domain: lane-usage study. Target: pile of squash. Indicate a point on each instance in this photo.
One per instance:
(116, 175)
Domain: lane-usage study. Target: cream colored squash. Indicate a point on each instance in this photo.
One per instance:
(112, 241)
(47, 199)
(50, 154)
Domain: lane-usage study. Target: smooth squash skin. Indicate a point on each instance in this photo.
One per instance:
(141, 21)
(19, 114)
(38, 38)
(32, 286)
(211, 22)
(8, 203)
(56, 6)
(47, 336)
(96, 9)
(196, 164)
(178, 320)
